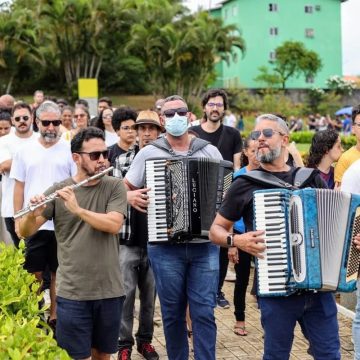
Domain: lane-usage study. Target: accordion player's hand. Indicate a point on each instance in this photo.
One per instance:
(357, 241)
(138, 199)
(233, 254)
(251, 242)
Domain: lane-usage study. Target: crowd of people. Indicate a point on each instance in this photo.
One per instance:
(90, 246)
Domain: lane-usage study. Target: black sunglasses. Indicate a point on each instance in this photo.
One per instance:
(18, 118)
(268, 133)
(95, 155)
(171, 112)
(48, 122)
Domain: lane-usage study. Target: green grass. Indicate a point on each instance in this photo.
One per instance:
(303, 147)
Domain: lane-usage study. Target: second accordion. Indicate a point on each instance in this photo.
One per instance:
(309, 240)
(185, 194)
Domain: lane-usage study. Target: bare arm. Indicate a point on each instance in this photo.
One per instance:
(5, 166)
(250, 242)
(110, 222)
(236, 161)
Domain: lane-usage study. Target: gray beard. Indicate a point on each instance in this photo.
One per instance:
(49, 138)
(269, 157)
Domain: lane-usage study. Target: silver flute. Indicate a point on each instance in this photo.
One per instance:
(54, 195)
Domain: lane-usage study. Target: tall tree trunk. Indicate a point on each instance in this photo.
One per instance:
(9, 85)
(98, 68)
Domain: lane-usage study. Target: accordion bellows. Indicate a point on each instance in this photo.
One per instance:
(309, 240)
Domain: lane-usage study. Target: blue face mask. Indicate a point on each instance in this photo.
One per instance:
(176, 125)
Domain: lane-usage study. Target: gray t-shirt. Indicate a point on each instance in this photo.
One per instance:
(88, 258)
(136, 173)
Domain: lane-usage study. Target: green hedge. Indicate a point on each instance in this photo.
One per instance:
(23, 335)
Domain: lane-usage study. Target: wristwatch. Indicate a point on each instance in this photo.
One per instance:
(230, 239)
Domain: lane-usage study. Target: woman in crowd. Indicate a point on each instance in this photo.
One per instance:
(81, 121)
(67, 123)
(324, 151)
(104, 123)
(241, 259)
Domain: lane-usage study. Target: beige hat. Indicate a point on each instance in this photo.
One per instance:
(148, 117)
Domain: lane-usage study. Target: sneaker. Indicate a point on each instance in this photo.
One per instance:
(124, 354)
(221, 301)
(147, 351)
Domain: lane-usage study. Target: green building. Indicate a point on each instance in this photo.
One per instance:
(266, 24)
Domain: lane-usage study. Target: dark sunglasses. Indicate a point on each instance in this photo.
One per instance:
(268, 133)
(171, 112)
(18, 118)
(48, 122)
(95, 155)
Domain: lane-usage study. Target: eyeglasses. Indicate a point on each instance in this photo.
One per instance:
(171, 112)
(79, 115)
(95, 155)
(268, 133)
(212, 105)
(109, 116)
(128, 128)
(48, 122)
(18, 118)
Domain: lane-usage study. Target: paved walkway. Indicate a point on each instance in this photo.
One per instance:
(231, 346)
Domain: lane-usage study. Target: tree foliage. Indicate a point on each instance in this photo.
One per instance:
(131, 45)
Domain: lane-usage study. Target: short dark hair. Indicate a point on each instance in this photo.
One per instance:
(122, 114)
(355, 112)
(85, 135)
(213, 93)
(82, 102)
(106, 99)
(5, 116)
(21, 105)
(322, 142)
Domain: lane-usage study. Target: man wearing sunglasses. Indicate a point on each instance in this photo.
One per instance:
(185, 273)
(228, 141)
(35, 167)
(316, 312)
(22, 121)
(87, 221)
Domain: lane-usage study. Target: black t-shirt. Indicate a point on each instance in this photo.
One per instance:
(238, 201)
(114, 151)
(225, 138)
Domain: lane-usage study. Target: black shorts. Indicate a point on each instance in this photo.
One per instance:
(41, 252)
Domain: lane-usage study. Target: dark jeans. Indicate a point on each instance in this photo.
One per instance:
(10, 227)
(318, 314)
(223, 265)
(242, 269)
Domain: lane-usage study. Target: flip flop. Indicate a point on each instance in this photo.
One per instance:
(240, 330)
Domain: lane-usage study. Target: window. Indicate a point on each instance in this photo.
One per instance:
(234, 10)
(317, 7)
(309, 9)
(273, 7)
(274, 31)
(309, 33)
(310, 79)
(272, 56)
(226, 13)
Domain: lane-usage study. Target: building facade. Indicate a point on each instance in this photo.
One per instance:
(267, 24)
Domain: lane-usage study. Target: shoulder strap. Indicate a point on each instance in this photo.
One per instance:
(261, 177)
(195, 145)
(302, 175)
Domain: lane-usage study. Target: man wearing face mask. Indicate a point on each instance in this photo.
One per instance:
(185, 273)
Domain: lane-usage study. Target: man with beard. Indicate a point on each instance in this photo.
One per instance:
(87, 221)
(316, 311)
(35, 167)
(22, 120)
(228, 141)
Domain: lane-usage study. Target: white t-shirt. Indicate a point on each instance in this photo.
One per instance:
(110, 138)
(39, 168)
(351, 179)
(9, 145)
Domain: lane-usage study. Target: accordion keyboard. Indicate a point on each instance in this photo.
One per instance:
(353, 263)
(157, 214)
(273, 268)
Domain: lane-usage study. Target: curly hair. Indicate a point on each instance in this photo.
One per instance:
(244, 161)
(322, 142)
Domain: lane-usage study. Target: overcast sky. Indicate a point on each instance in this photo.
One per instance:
(350, 11)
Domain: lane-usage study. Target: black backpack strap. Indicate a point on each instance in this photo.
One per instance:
(302, 175)
(196, 144)
(265, 178)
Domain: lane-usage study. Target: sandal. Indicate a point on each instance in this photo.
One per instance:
(240, 330)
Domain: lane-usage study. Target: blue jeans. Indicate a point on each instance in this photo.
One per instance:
(356, 324)
(136, 270)
(187, 274)
(317, 314)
